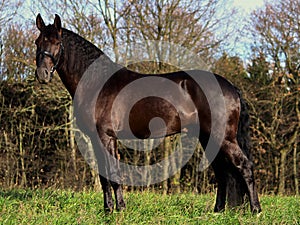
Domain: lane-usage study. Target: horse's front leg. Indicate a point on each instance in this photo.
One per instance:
(113, 169)
(107, 195)
(245, 167)
(120, 203)
(99, 152)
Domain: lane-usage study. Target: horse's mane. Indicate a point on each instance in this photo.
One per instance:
(83, 45)
(78, 60)
(79, 52)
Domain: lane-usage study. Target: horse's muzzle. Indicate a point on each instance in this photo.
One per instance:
(43, 75)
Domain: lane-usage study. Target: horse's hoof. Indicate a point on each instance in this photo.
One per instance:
(121, 206)
(219, 209)
(256, 210)
(108, 211)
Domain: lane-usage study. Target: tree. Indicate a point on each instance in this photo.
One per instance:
(276, 31)
(7, 10)
(231, 67)
(259, 70)
(82, 17)
(276, 28)
(19, 52)
(191, 24)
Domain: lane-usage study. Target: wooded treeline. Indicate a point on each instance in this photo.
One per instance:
(37, 148)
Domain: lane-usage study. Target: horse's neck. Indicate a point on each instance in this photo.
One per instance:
(79, 54)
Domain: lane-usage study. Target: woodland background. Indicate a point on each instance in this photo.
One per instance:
(37, 147)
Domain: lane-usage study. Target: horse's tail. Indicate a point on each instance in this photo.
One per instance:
(236, 186)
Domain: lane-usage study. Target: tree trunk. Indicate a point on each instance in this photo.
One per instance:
(295, 147)
(22, 157)
(177, 146)
(166, 149)
(296, 181)
(72, 141)
(281, 188)
(149, 144)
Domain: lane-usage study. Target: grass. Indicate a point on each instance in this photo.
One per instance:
(68, 207)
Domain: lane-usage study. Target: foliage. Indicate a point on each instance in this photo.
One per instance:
(276, 27)
(33, 121)
(19, 53)
(275, 100)
(271, 88)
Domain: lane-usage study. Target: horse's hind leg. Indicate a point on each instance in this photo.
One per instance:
(235, 155)
(221, 184)
(217, 165)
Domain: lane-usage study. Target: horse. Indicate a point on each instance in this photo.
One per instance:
(70, 55)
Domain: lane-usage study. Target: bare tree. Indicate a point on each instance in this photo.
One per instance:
(18, 57)
(276, 28)
(277, 32)
(7, 10)
(191, 24)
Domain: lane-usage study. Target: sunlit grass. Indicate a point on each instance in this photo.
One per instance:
(68, 207)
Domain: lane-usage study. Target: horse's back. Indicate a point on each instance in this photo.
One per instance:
(129, 101)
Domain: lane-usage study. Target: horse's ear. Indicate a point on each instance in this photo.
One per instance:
(40, 22)
(57, 23)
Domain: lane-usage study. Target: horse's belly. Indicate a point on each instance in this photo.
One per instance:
(152, 117)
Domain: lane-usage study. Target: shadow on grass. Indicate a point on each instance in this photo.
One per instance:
(16, 194)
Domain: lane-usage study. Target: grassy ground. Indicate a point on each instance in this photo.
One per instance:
(63, 207)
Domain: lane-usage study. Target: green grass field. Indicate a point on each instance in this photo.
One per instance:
(67, 207)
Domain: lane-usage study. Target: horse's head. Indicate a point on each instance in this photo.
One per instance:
(49, 48)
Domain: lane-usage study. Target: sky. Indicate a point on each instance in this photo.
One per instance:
(239, 43)
(245, 7)
(248, 5)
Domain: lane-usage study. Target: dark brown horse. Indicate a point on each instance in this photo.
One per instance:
(199, 105)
